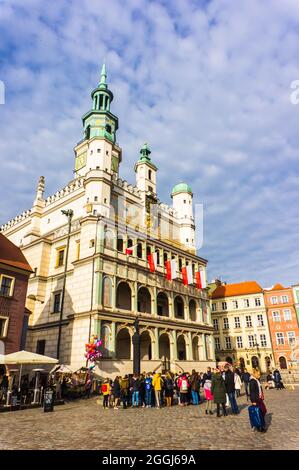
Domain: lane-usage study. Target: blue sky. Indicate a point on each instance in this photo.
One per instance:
(206, 83)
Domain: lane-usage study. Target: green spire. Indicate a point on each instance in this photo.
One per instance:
(103, 81)
(145, 153)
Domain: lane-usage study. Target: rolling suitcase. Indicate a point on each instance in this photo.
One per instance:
(255, 417)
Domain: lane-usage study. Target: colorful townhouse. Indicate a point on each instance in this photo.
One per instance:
(241, 331)
(14, 275)
(283, 325)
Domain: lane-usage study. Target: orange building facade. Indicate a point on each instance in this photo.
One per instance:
(283, 325)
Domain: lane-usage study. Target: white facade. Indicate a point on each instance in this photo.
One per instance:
(105, 288)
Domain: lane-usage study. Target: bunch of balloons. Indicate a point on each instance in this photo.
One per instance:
(92, 349)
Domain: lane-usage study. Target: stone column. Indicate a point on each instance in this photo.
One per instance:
(97, 326)
(174, 355)
(212, 347)
(114, 280)
(113, 340)
(154, 302)
(134, 305)
(156, 344)
(204, 346)
(171, 304)
(189, 352)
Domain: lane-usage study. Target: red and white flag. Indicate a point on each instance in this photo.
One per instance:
(187, 275)
(152, 261)
(201, 282)
(129, 250)
(171, 269)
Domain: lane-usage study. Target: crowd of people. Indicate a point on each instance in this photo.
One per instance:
(214, 387)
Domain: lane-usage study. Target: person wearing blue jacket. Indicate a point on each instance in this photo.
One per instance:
(148, 390)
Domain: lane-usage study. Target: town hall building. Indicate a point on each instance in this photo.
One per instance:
(88, 245)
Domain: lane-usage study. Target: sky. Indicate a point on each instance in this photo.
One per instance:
(206, 83)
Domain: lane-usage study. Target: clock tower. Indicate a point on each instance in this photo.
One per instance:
(98, 149)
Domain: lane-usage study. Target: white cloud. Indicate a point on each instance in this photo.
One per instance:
(207, 85)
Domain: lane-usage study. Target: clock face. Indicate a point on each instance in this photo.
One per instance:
(80, 161)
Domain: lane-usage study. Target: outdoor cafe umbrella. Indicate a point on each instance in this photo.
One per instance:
(27, 358)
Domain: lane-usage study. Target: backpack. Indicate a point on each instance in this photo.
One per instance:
(184, 385)
(104, 388)
(169, 384)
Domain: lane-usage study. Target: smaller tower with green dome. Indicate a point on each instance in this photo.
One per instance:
(182, 197)
(146, 172)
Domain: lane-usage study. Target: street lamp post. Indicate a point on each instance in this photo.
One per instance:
(69, 213)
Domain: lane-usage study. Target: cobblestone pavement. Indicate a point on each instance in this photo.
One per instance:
(86, 425)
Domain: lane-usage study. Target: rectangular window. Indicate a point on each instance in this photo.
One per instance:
(6, 285)
(260, 320)
(40, 346)
(60, 258)
(217, 344)
(246, 303)
(291, 337)
(215, 323)
(251, 341)
(273, 300)
(214, 307)
(3, 327)
(279, 338)
(239, 342)
(237, 322)
(263, 340)
(248, 321)
(224, 306)
(284, 299)
(228, 343)
(225, 323)
(287, 314)
(257, 301)
(57, 302)
(276, 315)
(235, 304)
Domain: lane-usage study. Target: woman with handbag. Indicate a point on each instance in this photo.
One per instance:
(257, 399)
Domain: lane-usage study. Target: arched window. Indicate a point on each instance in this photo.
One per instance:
(148, 250)
(123, 296)
(120, 243)
(181, 347)
(149, 174)
(178, 307)
(123, 344)
(109, 238)
(107, 292)
(192, 310)
(162, 304)
(105, 337)
(165, 257)
(144, 300)
(158, 256)
(139, 250)
(145, 346)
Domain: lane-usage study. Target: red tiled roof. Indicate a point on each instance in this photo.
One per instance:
(277, 287)
(12, 255)
(231, 290)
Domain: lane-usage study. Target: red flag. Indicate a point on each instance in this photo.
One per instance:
(152, 261)
(200, 279)
(171, 269)
(129, 250)
(187, 275)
